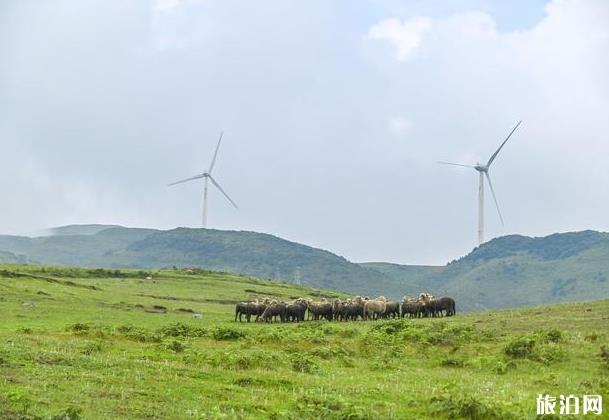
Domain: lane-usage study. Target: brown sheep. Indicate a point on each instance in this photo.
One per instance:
(321, 309)
(375, 308)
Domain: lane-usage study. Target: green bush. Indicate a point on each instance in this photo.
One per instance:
(139, 334)
(550, 353)
(78, 327)
(303, 363)
(71, 413)
(227, 333)
(552, 336)
(326, 407)
(179, 329)
(176, 346)
(452, 362)
(520, 347)
(604, 356)
(467, 408)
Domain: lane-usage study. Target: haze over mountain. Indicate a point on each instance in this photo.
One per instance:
(509, 271)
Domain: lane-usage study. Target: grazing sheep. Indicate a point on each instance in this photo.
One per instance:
(295, 311)
(320, 310)
(250, 308)
(375, 308)
(411, 307)
(243, 308)
(273, 310)
(429, 305)
(446, 304)
(392, 310)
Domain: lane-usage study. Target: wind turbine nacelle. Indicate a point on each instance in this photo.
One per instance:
(481, 168)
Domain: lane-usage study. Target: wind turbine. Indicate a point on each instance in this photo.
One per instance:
(208, 178)
(483, 172)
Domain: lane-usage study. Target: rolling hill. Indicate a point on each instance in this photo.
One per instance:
(516, 270)
(510, 271)
(248, 253)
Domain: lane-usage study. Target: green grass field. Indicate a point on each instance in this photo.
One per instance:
(97, 344)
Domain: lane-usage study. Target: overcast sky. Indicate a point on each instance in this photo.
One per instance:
(334, 113)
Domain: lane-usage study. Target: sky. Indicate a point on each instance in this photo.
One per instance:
(334, 113)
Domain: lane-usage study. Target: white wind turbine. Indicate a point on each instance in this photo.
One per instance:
(483, 172)
(207, 177)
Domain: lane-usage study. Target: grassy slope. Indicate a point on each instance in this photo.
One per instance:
(249, 253)
(72, 338)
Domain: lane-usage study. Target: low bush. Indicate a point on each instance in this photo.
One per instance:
(303, 363)
(227, 333)
(140, 334)
(326, 407)
(467, 408)
(452, 362)
(179, 329)
(176, 346)
(604, 356)
(520, 347)
(71, 413)
(552, 336)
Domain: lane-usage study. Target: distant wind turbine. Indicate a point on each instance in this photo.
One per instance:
(483, 172)
(207, 177)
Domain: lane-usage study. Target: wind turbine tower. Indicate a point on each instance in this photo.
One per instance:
(483, 170)
(207, 178)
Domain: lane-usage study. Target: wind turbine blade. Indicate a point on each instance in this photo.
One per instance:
(502, 144)
(187, 179)
(456, 164)
(213, 161)
(213, 181)
(490, 184)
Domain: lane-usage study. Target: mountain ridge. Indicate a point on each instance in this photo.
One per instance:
(509, 271)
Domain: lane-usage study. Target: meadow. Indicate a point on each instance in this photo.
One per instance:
(105, 344)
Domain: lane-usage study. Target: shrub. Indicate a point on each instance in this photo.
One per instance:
(520, 347)
(71, 413)
(139, 334)
(467, 408)
(592, 338)
(328, 408)
(179, 329)
(452, 362)
(551, 353)
(91, 347)
(604, 355)
(78, 327)
(245, 360)
(391, 327)
(552, 336)
(304, 364)
(227, 333)
(176, 346)
(25, 330)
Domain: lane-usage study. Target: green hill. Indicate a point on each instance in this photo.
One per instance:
(514, 271)
(510, 271)
(109, 344)
(238, 252)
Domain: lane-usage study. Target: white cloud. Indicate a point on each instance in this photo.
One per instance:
(406, 36)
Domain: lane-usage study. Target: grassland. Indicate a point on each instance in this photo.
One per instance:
(99, 344)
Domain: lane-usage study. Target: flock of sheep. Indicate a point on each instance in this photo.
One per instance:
(426, 305)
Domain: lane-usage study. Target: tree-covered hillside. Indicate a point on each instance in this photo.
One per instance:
(516, 271)
(509, 271)
(239, 252)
